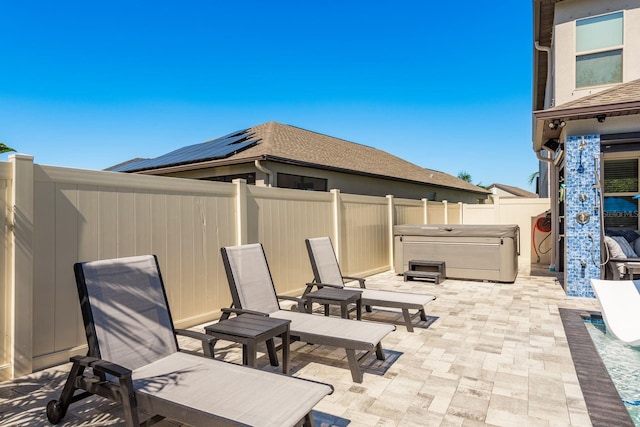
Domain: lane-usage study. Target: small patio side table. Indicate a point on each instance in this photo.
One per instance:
(631, 269)
(332, 296)
(248, 330)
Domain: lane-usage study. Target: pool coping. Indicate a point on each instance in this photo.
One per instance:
(604, 404)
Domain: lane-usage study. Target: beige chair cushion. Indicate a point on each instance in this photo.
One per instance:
(615, 251)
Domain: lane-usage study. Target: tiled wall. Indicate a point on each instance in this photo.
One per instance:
(581, 199)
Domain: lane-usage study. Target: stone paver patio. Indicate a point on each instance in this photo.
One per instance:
(492, 354)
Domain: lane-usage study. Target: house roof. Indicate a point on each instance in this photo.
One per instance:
(289, 144)
(620, 100)
(517, 192)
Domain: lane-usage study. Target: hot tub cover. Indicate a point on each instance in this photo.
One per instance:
(466, 230)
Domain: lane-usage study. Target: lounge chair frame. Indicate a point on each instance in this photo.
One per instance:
(90, 375)
(401, 300)
(351, 346)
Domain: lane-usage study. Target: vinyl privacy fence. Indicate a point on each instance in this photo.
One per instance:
(54, 217)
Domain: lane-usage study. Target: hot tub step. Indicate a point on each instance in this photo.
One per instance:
(416, 274)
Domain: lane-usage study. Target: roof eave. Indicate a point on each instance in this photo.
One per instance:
(369, 174)
(544, 117)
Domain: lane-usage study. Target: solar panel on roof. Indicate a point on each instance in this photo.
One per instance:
(218, 148)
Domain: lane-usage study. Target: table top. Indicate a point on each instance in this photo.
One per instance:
(248, 325)
(342, 294)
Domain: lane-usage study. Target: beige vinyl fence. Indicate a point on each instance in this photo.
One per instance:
(55, 217)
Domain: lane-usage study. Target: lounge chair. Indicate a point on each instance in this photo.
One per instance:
(326, 272)
(252, 289)
(135, 360)
(620, 304)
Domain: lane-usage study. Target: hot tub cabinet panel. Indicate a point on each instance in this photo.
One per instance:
(479, 252)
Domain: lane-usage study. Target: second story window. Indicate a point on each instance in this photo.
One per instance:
(599, 43)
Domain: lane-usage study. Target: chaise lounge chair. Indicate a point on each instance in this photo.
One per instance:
(326, 272)
(134, 358)
(620, 304)
(252, 289)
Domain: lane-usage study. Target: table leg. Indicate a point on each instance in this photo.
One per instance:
(359, 309)
(286, 342)
(344, 310)
(249, 356)
(271, 349)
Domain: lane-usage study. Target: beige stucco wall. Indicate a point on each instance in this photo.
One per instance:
(346, 183)
(564, 40)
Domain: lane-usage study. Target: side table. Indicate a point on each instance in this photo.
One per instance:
(332, 296)
(248, 330)
(631, 269)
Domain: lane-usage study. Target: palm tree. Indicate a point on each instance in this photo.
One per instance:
(465, 176)
(5, 148)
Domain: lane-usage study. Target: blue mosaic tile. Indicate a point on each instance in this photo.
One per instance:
(582, 237)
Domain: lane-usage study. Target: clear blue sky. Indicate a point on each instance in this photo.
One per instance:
(446, 85)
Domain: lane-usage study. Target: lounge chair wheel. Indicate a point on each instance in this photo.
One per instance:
(55, 412)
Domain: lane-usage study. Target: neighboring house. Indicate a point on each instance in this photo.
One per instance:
(509, 192)
(273, 154)
(586, 100)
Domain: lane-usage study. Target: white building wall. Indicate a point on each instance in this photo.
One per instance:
(564, 40)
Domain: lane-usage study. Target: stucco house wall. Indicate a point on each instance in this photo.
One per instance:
(564, 40)
(346, 183)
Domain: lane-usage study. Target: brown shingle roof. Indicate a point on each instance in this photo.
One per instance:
(620, 94)
(289, 143)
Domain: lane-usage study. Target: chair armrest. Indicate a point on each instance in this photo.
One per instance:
(239, 311)
(359, 279)
(102, 366)
(207, 340)
(302, 302)
(322, 285)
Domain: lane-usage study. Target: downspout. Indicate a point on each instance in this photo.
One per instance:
(547, 94)
(555, 217)
(265, 171)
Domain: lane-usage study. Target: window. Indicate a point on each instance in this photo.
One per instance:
(300, 182)
(249, 177)
(620, 185)
(599, 42)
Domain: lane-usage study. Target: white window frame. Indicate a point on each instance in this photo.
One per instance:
(600, 50)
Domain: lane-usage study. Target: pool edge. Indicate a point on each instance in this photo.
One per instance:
(604, 404)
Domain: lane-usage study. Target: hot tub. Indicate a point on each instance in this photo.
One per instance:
(479, 252)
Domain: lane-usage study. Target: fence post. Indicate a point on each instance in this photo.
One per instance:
(391, 221)
(241, 211)
(445, 206)
(425, 211)
(21, 265)
(337, 232)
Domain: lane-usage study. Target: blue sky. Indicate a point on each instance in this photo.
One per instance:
(445, 85)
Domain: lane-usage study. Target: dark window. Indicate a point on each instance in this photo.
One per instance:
(249, 177)
(300, 182)
(620, 186)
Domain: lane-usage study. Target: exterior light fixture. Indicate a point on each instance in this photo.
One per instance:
(601, 118)
(557, 123)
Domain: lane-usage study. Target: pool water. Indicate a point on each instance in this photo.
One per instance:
(622, 363)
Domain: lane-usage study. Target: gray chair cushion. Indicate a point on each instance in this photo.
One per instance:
(205, 386)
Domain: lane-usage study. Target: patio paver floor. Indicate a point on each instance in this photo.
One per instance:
(496, 354)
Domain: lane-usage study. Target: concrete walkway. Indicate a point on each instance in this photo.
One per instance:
(492, 354)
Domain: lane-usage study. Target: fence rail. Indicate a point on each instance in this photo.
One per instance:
(56, 216)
